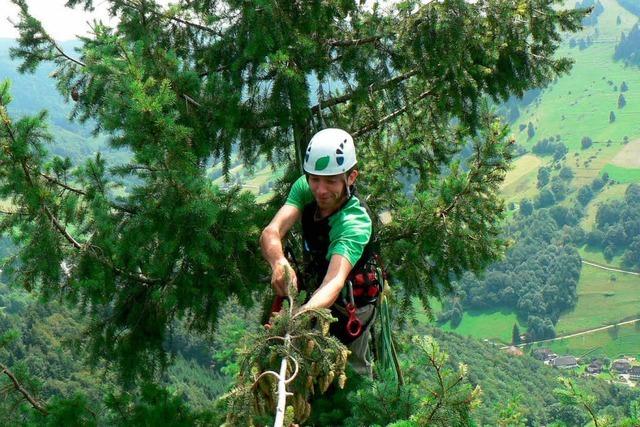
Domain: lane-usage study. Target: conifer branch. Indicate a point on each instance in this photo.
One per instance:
(56, 223)
(59, 183)
(16, 384)
(176, 19)
(62, 53)
(328, 103)
(390, 116)
(353, 42)
(61, 228)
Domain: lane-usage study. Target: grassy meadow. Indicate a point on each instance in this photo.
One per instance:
(494, 325)
(612, 343)
(521, 181)
(602, 301)
(607, 194)
(579, 104)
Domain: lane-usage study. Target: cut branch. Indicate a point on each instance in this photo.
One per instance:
(16, 384)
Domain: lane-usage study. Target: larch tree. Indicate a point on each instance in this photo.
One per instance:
(140, 245)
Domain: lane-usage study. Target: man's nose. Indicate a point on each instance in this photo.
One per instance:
(321, 188)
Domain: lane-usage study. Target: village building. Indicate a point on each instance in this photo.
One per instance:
(544, 354)
(634, 373)
(595, 367)
(565, 362)
(621, 366)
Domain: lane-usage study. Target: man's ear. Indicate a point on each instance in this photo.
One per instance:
(351, 179)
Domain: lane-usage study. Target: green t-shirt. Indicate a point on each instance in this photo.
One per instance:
(350, 227)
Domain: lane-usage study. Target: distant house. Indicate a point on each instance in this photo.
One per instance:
(595, 367)
(514, 351)
(565, 362)
(621, 366)
(634, 373)
(544, 354)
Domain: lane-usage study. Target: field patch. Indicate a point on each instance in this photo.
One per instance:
(595, 255)
(611, 343)
(604, 297)
(522, 177)
(629, 156)
(621, 174)
(609, 193)
(495, 325)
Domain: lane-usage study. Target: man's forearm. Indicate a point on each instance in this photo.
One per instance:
(326, 295)
(271, 246)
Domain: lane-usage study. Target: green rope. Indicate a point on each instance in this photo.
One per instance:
(388, 357)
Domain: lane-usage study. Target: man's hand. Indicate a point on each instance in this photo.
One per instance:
(271, 245)
(281, 275)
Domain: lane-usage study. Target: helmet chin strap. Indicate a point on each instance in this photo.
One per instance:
(346, 182)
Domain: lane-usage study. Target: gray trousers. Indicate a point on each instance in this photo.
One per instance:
(360, 357)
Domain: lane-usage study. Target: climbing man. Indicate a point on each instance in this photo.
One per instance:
(339, 269)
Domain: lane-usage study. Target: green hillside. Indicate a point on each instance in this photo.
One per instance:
(579, 105)
(576, 106)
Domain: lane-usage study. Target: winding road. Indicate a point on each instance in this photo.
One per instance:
(589, 331)
(603, 267)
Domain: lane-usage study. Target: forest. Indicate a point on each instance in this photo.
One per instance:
(627, 49)
(617, 228)
(135, 285)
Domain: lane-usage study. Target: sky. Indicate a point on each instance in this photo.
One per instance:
(59, 21)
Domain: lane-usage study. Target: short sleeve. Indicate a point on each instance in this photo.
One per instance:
(350, 233)
(300, 193)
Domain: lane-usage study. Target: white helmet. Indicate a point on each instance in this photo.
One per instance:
(330, 152)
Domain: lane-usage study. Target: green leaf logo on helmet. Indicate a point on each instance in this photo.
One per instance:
(330, 152)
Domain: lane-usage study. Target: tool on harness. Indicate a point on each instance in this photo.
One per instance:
(354, 325)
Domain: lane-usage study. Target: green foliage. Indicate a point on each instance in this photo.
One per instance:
(154, 406)
(627, 48)
(449, 401)
(312, 360)
(621, 101)
(543, 177)
(515, 334)
(526, 207)
(511, 414)
(618, 223)
(382, 401)
(537, 276)
(178, 95)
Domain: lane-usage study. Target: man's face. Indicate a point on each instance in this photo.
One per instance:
(330, 191)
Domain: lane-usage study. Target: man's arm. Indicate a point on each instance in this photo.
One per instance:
(329, 290)
(271, 246)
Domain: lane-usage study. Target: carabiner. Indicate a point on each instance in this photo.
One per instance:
(354, 325)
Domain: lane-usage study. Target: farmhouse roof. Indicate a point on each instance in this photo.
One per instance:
(562, 361)
(622, 363)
